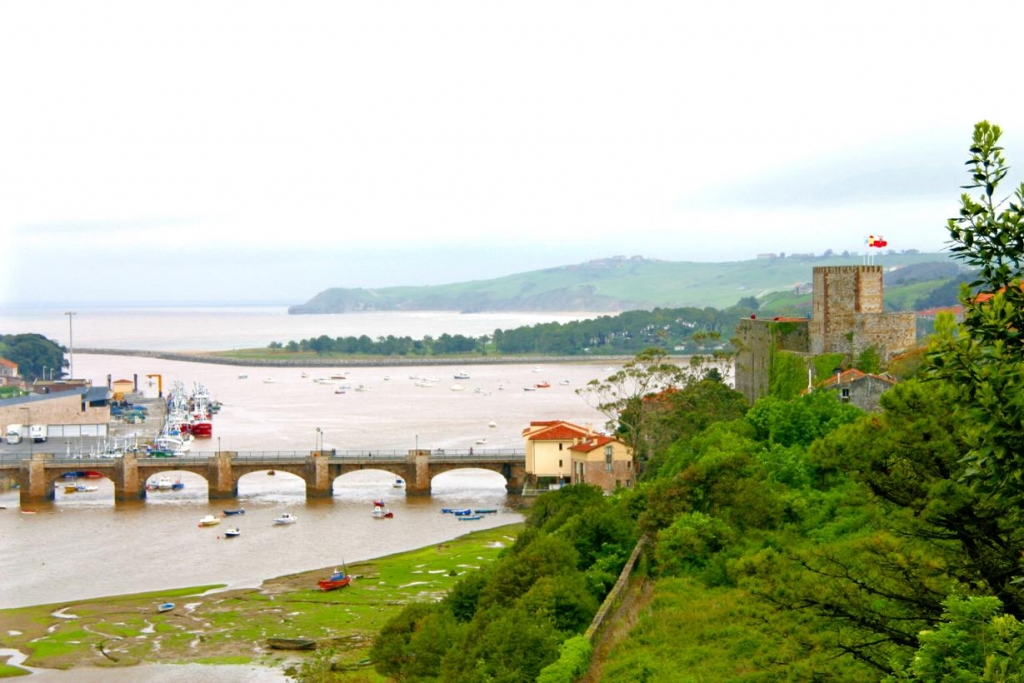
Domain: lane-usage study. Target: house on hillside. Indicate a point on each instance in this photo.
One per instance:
(9, 374)
(603, 461)
(859, 388)
(548, 455)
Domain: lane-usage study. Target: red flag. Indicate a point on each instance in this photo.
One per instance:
(877, 241)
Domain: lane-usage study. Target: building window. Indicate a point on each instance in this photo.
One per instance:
(559, 464)
(607, 458)
(844, 394)
(560, 446)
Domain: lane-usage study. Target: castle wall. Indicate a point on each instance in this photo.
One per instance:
(753, 358)
(889, 333)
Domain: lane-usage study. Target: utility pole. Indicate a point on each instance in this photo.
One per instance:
(71, 345)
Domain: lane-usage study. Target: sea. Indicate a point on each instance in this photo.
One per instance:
(83, 546)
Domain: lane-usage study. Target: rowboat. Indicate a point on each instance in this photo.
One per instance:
(292, 643)
(239, 511)
(485, 511)
(469, 518)
(209, 520)
(233, 533)
(166, 607)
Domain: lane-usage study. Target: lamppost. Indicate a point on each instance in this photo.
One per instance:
(71, 345)
(318, 443)
(45, 368)
(417, 444)
(218, 445)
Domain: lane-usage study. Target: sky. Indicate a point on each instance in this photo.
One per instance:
(200, 152)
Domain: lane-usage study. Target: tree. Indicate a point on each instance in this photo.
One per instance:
(32, 353)
(987, 363)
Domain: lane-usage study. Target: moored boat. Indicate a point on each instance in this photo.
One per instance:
(233, 532)
(209, 520)
(381, 512)
(165, 607)
(237, 511)
(286, 518)
(469, 518)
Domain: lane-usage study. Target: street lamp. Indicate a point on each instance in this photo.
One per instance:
(318, 443)
(71, 345)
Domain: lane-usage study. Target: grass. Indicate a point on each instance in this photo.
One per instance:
(231, 627)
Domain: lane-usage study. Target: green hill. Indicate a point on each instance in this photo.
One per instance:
(606, 285)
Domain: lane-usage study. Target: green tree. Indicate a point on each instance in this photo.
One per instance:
(33, 353)
(987, 363)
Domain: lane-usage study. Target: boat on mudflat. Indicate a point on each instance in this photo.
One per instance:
(233, 533)
(286, 518)
(339, 579)
(237, 511)
(209, 520)
(166, 607)
(292, 643)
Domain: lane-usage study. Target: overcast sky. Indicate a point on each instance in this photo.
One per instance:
(255, 151)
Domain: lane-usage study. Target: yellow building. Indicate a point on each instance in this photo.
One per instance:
(547, 449)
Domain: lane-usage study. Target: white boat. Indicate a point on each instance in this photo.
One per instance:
(481, 441)
(399, 483)
(268, 380)
(457, 387)
(492, 424)
(243, 376)
(462, 375)
(286, 518)
(164, 484)
(84, 488)
(209, 520)
(564, 382)
(233, 532)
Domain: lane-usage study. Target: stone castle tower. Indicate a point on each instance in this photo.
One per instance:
(847, 316)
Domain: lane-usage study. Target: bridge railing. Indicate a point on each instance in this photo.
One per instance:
(12, 460)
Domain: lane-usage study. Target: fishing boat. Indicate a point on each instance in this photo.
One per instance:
(233, 532)
(237, 511)
(165, 607)
(177, 486)
(209, 520)
(292, 643)
(286, 518)
(164, 484)
(339, 579)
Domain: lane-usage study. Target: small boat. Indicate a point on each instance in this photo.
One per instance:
(461, 512)
(166, 607)
(462, 375)
(268, 380)
(238, 511)
(292, 643)
(286, 518)
(209, 520)
(481, 441)
(243, 376)
(543, 385)
(83, 488)
(492, 424)
(564, 382)
(177, 486)
(339, 579)
(469, 518)
(271, 473)
(70, 488)
(234, 532)
(339, 391)
(399, 483)
(381, 512)
(529, 388)
(164, 484)
(457, 387)
(28, 511)
(485, 511)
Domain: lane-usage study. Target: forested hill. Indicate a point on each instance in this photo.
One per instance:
(604, 285)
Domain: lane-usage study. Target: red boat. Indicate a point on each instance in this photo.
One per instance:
(202, 428)
(339, 579)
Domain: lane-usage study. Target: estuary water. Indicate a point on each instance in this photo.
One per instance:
(83, 546)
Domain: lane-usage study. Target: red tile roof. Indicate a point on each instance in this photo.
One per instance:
(555, 431)
(4, 361)
(593, 443)
(852, 375)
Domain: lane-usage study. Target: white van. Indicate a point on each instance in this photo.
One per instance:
(38, 433)
(15, 433)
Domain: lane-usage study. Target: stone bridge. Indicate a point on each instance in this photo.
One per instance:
(38, 474)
